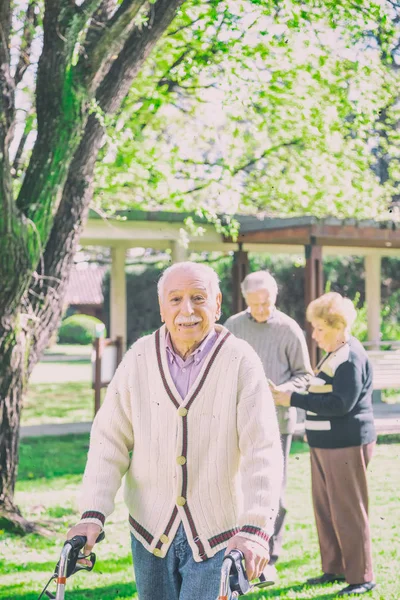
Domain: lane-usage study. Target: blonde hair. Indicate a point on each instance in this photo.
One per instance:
(332, 308)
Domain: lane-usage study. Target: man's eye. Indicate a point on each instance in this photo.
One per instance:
(175, 299)
(198, 298)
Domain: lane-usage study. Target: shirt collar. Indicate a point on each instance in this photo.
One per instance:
(196, 353)
(271, 316)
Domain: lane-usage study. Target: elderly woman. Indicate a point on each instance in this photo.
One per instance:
(341, 434)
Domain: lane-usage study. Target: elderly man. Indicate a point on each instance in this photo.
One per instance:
(189, 420)
(281, 345)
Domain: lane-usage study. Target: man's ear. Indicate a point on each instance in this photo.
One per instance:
(219, 304)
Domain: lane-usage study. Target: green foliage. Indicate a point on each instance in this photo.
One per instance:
(78, 329)
(249, 107)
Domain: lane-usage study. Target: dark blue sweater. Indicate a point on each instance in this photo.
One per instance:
(339, 400)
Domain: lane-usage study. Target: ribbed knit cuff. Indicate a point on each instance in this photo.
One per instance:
(255, 534)
(93, 516)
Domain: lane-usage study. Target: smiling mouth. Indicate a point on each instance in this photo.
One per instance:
(188, 325)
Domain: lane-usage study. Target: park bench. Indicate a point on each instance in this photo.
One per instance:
(386, 366)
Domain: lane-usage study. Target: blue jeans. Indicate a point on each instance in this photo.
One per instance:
(177, 576)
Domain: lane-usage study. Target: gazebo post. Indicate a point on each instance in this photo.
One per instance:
(178, 252)
(240, 269)
(373, 297)
(118, 320)
(313, 287)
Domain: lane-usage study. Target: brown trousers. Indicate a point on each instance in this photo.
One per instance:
(340, 498)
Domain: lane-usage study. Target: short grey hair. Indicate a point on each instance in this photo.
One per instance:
(259, 280)
(209, 275)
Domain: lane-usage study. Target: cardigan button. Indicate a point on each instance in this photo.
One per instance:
(164, 539)
(181, 460)
(157, 552)
(181, 501)
(182, 411)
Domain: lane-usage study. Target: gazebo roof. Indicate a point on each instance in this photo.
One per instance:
(324, 232)
(158, 229)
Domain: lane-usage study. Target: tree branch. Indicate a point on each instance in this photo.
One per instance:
(175, 31)
(7, 87)
(77, 191)
(137, 48)
(266, 153)
(238, 169)
(26, 42)
(6, 121)
(107, 41)
(27, 129)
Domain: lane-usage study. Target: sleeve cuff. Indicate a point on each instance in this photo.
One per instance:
(255, 534)
(93, 516)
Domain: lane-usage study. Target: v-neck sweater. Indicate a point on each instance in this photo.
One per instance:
(212, 461)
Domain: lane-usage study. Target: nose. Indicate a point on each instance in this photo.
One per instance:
(186, 307)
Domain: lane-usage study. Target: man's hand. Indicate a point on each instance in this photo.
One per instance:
(256, 557)
(91, 531)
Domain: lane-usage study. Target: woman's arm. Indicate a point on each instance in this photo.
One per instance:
(347, 385)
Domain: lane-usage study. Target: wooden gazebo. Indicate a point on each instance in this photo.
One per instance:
(314, 237)
(319, 237)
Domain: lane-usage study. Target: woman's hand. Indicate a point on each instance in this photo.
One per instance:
(280, 398)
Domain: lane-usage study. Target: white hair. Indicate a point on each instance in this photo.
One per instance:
(259, 280)
(208, 274)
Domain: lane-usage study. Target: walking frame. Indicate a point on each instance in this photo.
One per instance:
(234, 581)
(68, 565)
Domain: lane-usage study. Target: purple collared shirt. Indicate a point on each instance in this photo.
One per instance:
(185, 372)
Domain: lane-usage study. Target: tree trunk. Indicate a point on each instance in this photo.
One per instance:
(13, 348)
(32, 319)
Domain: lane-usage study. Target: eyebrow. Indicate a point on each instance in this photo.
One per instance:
(180, 291)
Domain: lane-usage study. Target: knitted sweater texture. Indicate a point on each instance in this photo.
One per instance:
(212, 461)
(282, 348)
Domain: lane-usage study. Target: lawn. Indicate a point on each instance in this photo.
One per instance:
(67, 402)
(50, 471)
(82, 350)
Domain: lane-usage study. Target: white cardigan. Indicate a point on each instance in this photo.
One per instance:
(212, 461)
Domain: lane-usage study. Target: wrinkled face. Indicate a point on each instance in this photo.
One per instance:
(260, 304)
(188, 307)
(327, 338)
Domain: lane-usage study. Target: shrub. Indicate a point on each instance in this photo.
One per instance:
(78, 329)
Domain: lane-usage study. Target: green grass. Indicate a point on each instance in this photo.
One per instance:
(49, 475)
(70, 350)
(58, 403)
(62, 372)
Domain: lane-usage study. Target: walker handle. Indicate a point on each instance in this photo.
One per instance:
(72, 554)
